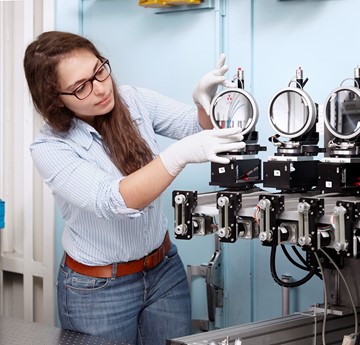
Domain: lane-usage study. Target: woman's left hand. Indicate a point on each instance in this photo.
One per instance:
(205, 89)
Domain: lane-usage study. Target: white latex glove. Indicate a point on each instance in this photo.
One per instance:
(205, 89)
(201, 147)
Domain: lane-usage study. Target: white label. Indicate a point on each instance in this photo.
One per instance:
(277, 173)
(328, 184)
(320, 121)
(221, 170)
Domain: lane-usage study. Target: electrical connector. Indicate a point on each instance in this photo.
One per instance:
(351, 339)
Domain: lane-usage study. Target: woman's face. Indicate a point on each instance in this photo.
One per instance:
(75, 69)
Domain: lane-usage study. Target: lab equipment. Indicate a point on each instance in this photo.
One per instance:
(292, 115)
(236, 108)
(339, 169)
(314, 210)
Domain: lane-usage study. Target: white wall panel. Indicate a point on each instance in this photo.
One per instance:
(27, 285)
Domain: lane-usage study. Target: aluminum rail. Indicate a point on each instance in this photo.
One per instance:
(295, 329)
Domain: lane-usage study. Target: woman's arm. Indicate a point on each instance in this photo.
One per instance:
(143, 186)
(204, 119)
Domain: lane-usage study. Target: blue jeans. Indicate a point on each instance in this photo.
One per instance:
(144, 308)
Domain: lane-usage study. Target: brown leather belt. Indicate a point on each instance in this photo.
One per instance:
(123, 268)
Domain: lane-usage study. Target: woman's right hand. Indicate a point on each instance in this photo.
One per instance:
(201, 147)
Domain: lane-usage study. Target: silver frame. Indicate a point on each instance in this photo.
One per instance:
(326, 122)
(312, 112)
(245, 94)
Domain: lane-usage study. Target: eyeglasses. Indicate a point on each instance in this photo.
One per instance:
(84, 89)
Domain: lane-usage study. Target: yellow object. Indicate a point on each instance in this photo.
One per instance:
(167, 3)
(183, 2)
(153, 3)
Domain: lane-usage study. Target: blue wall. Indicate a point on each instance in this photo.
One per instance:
(269, 39)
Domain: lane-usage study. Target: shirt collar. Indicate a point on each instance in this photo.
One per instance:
(83, 134)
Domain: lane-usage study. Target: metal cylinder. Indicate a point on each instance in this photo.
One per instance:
(285, 296)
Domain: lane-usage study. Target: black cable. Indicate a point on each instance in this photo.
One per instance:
(317, 273)
(288, 256)
(299, 255)
(305, 268)
(287, 284)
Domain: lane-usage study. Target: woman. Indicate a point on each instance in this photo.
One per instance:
(121, 277)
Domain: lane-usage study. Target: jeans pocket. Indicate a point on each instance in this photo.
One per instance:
(85, 284)
(62, 275)
(172, 253)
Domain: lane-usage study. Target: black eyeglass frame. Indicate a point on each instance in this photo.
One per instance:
(91, 80)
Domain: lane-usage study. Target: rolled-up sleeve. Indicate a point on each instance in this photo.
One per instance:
(117, 202)
(79, 181)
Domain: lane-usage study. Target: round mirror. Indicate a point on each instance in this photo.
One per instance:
(234, 108)
(342, 112)
(292, 112)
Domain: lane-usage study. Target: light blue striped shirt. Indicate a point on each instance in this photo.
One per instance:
(99, 228)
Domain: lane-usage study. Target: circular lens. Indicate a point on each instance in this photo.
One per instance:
(103, 72)
(292, 112)
(234, 108)
(84, 90)
(342, 112)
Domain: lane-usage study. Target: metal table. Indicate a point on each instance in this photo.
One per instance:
(14, 332)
